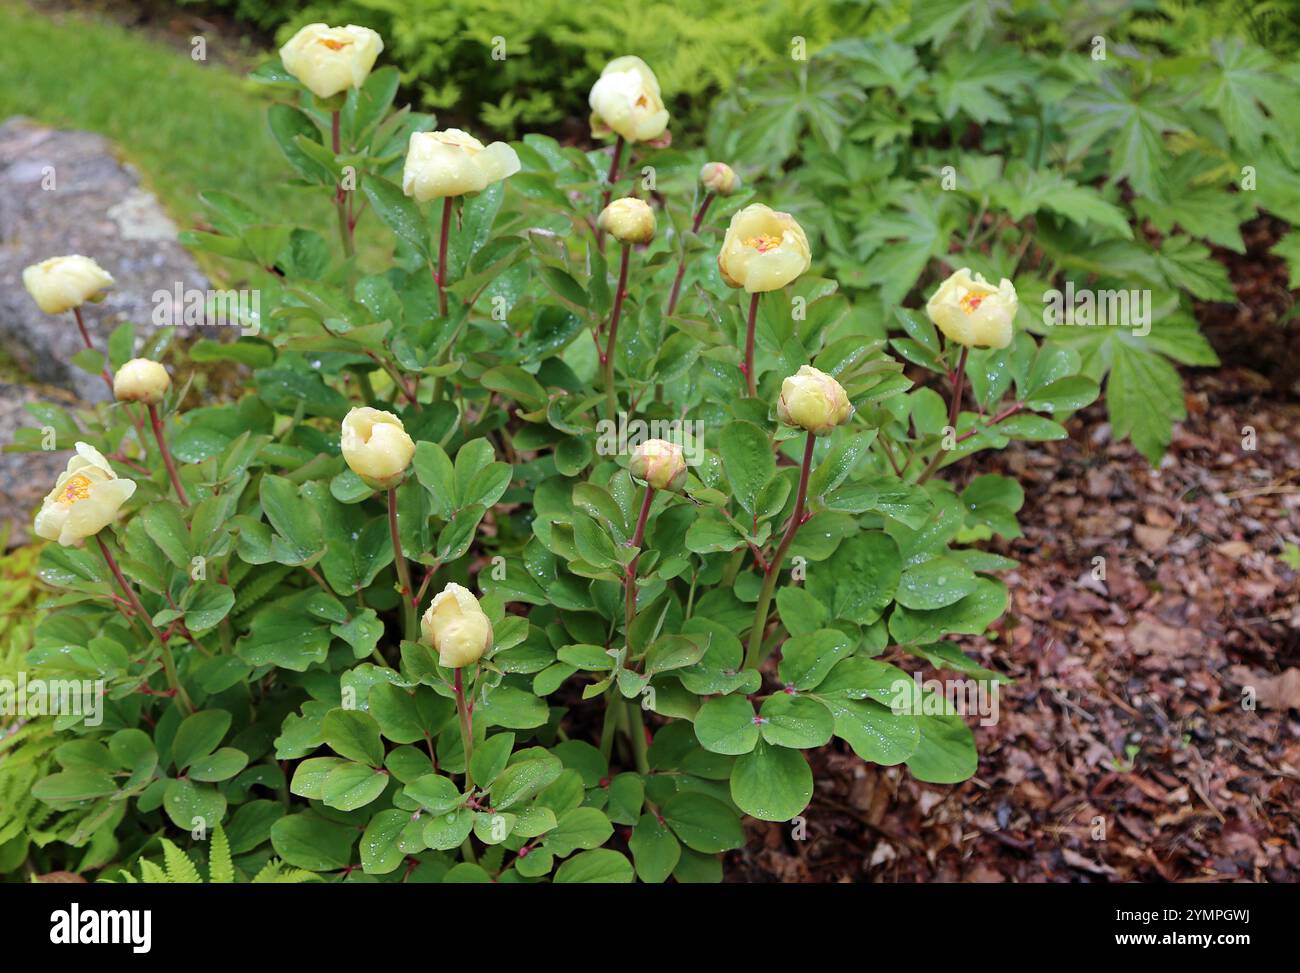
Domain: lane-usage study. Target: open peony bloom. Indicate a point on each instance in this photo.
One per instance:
(628, 220)
(625, 99)
(141, 380)
(658, 463)
(85, 499)
(376, 446)
(720, 178)
(452, 163)
(331, 59)
(812, 400)
(970, 311)
(62, 283)
(456, 627)
(763, 250)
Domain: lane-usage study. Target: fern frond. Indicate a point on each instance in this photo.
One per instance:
(221, 870)
(180, 867)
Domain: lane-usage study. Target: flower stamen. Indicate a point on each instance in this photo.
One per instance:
(763, 242)
(77, 488)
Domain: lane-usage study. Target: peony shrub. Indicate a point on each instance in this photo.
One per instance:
(542, 548)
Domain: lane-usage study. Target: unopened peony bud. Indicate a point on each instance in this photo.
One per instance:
(659, 464)
(329, 60)
(85, 499)
(628, 220)
(812, 400)
(376, 447)
(763, 250)
(719, 178)
(456, 627)
(626, 100)
(970, 311)
(452, 163)
(62, 283)
(141, 380)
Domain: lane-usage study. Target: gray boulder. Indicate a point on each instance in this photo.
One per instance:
(94, 206)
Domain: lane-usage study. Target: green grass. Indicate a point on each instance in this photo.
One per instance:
(184, 125)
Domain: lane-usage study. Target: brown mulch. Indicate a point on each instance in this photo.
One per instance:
(1124, 749)
(1259, 330)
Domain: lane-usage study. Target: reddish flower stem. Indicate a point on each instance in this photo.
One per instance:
(753, 653)
(681, 266)
(403, 569)
(167, 455)
(169, 663)
(607, 356)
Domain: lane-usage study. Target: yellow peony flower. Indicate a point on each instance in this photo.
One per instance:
(970, 311)
(456, 627)
(141, 380)
(85, 499)
(628, 220)
(718, 177)
(812, 400)
(62, 283)
(452, 163)
(763, 250)
(329, 60)
(626, 100)
(376, 446)
(659, 464)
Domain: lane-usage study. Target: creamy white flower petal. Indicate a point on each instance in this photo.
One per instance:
(626, 99)
(452, 163)
(456, 626)
(329, 60)
(62, 283)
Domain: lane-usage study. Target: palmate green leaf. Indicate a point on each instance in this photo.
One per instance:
(935, 20)
(904, 239)
(1197, 201)
(1130, 120)
(1025, 191)
(809, 96)
(1242, 84)
(1288, 248)
(1144, 398)
(1187, 265)
(980, 84)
